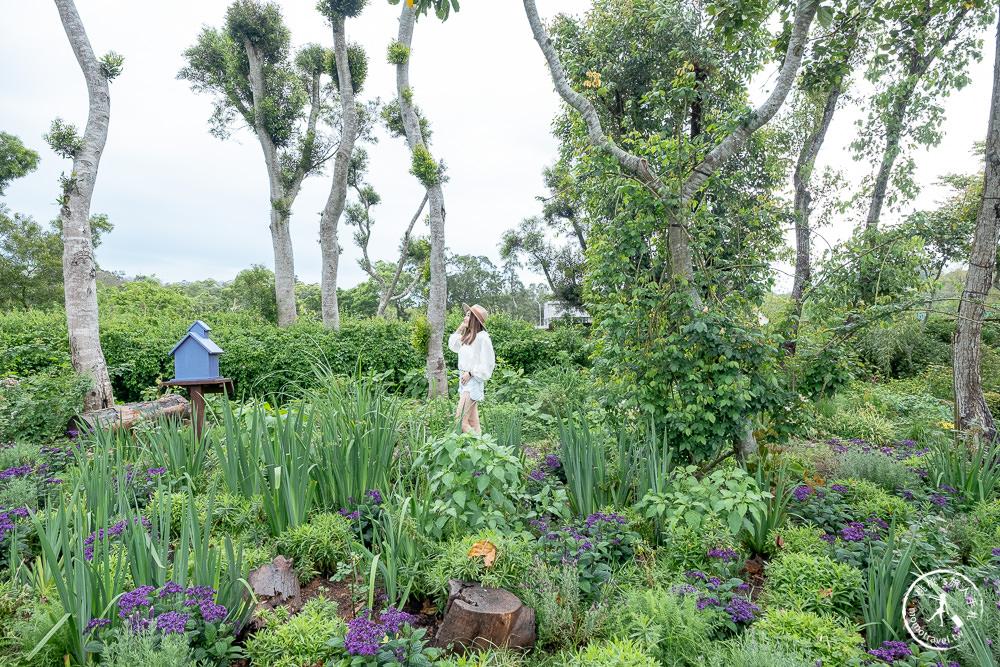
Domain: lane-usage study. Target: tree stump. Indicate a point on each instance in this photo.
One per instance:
(482, 618)
(274, 584)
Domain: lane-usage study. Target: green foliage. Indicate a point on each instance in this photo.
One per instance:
(473, 482)
(804, 539)
(357, 64)
(38, 407)
(148, 649)
(31, 273)
(886, 583)
(975, 474)
(341, 8)
(16, 160)
(450, 560)
(624, 652)
(756, 650)
(585, 465)
(813, 583)
(760, 535)
(820, 637)
(729, 495)
(868, 499)
(112, 64)
(397, 53)
(291, 641)
(878, 469)
(64, 139)
(670, 625)
(865, 423)
(428, 171)
(564, 619)
(318, 546)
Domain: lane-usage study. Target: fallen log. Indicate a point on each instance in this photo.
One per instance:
(274, 584)
(128, 415)
(485, 618)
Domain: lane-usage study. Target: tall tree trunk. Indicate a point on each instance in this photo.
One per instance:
(437, 301)
(803, 208)
(389, 286)
(330, 219)
(79, 268)
(970, 405)
(281, 202)
(918, 66)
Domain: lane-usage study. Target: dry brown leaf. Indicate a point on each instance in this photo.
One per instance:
(486, 549)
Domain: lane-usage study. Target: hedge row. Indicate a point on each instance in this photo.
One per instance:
(261, 358)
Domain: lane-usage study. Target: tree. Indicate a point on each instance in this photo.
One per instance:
(252, 290)
(413, 252)
(350, 66)
(923, 54)
(430, 173)
(562, 265)
(79, 267)
(970, 404)
(15, 160)
(824, 80)
(247, 67)
(681, 341)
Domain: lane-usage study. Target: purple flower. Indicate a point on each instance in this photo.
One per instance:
(741, 610)
(364, 635)
(96, 623)
(374, 495)
(829, 538)
(552, 461)
(704, 602)
(537, 475)
(156, 471)
(172, 622)
(839, 488)
(801, 493)
(725, 555)
(891, 651)
(695, 575)
(855, 532)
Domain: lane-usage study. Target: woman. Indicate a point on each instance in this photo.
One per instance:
(475, 361)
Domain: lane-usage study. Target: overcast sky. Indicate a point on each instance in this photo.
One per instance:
(188, 206)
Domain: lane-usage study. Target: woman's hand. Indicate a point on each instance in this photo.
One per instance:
(466, 376)
(465, 323)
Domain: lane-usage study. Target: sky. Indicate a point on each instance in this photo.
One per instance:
(187, 206)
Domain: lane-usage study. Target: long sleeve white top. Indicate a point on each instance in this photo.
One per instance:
(478, 358)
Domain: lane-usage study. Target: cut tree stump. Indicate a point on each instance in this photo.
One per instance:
(275, 585)
(482, 618)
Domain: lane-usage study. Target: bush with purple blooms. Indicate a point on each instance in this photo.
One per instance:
(386, 638)
(594, 545)
(726, 601)
(173, 609)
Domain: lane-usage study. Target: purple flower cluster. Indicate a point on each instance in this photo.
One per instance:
(538, 475)
(364, 635)
(139, 610)
(713, 582)
(114, 531)
(703, 602)
(802, 493)
(741, 610)
(900, 451)
(857, 531)
(9, 518)
(15, 472)
(552, 462)
(891, 651)
(725, 555)
(375, 496)
(839, 488)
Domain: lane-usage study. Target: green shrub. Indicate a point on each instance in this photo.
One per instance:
(149, 650)
(38, 407)
(473, 481)
(450, 560)
(822, 638)
(798, 540)
(878, 469)
(813, 583)
(984, 524)
(870, 500)
(671, 625)
(865, 423)
(286, 641)
(622, 652)
(993, 402)
(319, 545)
(563, 618)
(756, 650)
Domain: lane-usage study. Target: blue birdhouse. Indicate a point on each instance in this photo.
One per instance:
(196, 356)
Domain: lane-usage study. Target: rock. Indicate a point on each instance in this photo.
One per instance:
(481, 618)
(274, 584)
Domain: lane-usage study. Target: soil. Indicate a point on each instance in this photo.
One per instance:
(424, 611)
(753, 575)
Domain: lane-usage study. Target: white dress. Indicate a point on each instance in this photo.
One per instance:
(477, 359)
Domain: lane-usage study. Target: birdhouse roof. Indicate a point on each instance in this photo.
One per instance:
(199, 323)
(207, 343)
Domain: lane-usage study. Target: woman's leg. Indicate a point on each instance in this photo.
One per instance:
(474, 418)
(465, 406)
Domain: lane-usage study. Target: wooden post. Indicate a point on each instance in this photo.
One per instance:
(198, 389)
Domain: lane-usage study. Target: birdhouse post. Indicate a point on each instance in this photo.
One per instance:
(196, 367)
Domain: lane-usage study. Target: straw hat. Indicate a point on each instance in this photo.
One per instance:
(477, 310)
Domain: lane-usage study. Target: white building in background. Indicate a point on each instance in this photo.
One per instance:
(553, 311)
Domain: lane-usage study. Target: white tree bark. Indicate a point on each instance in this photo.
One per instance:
(330, 218)
(437, 373)
(680, 247)
(970, 405)
(281, 201)
(79, 268)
